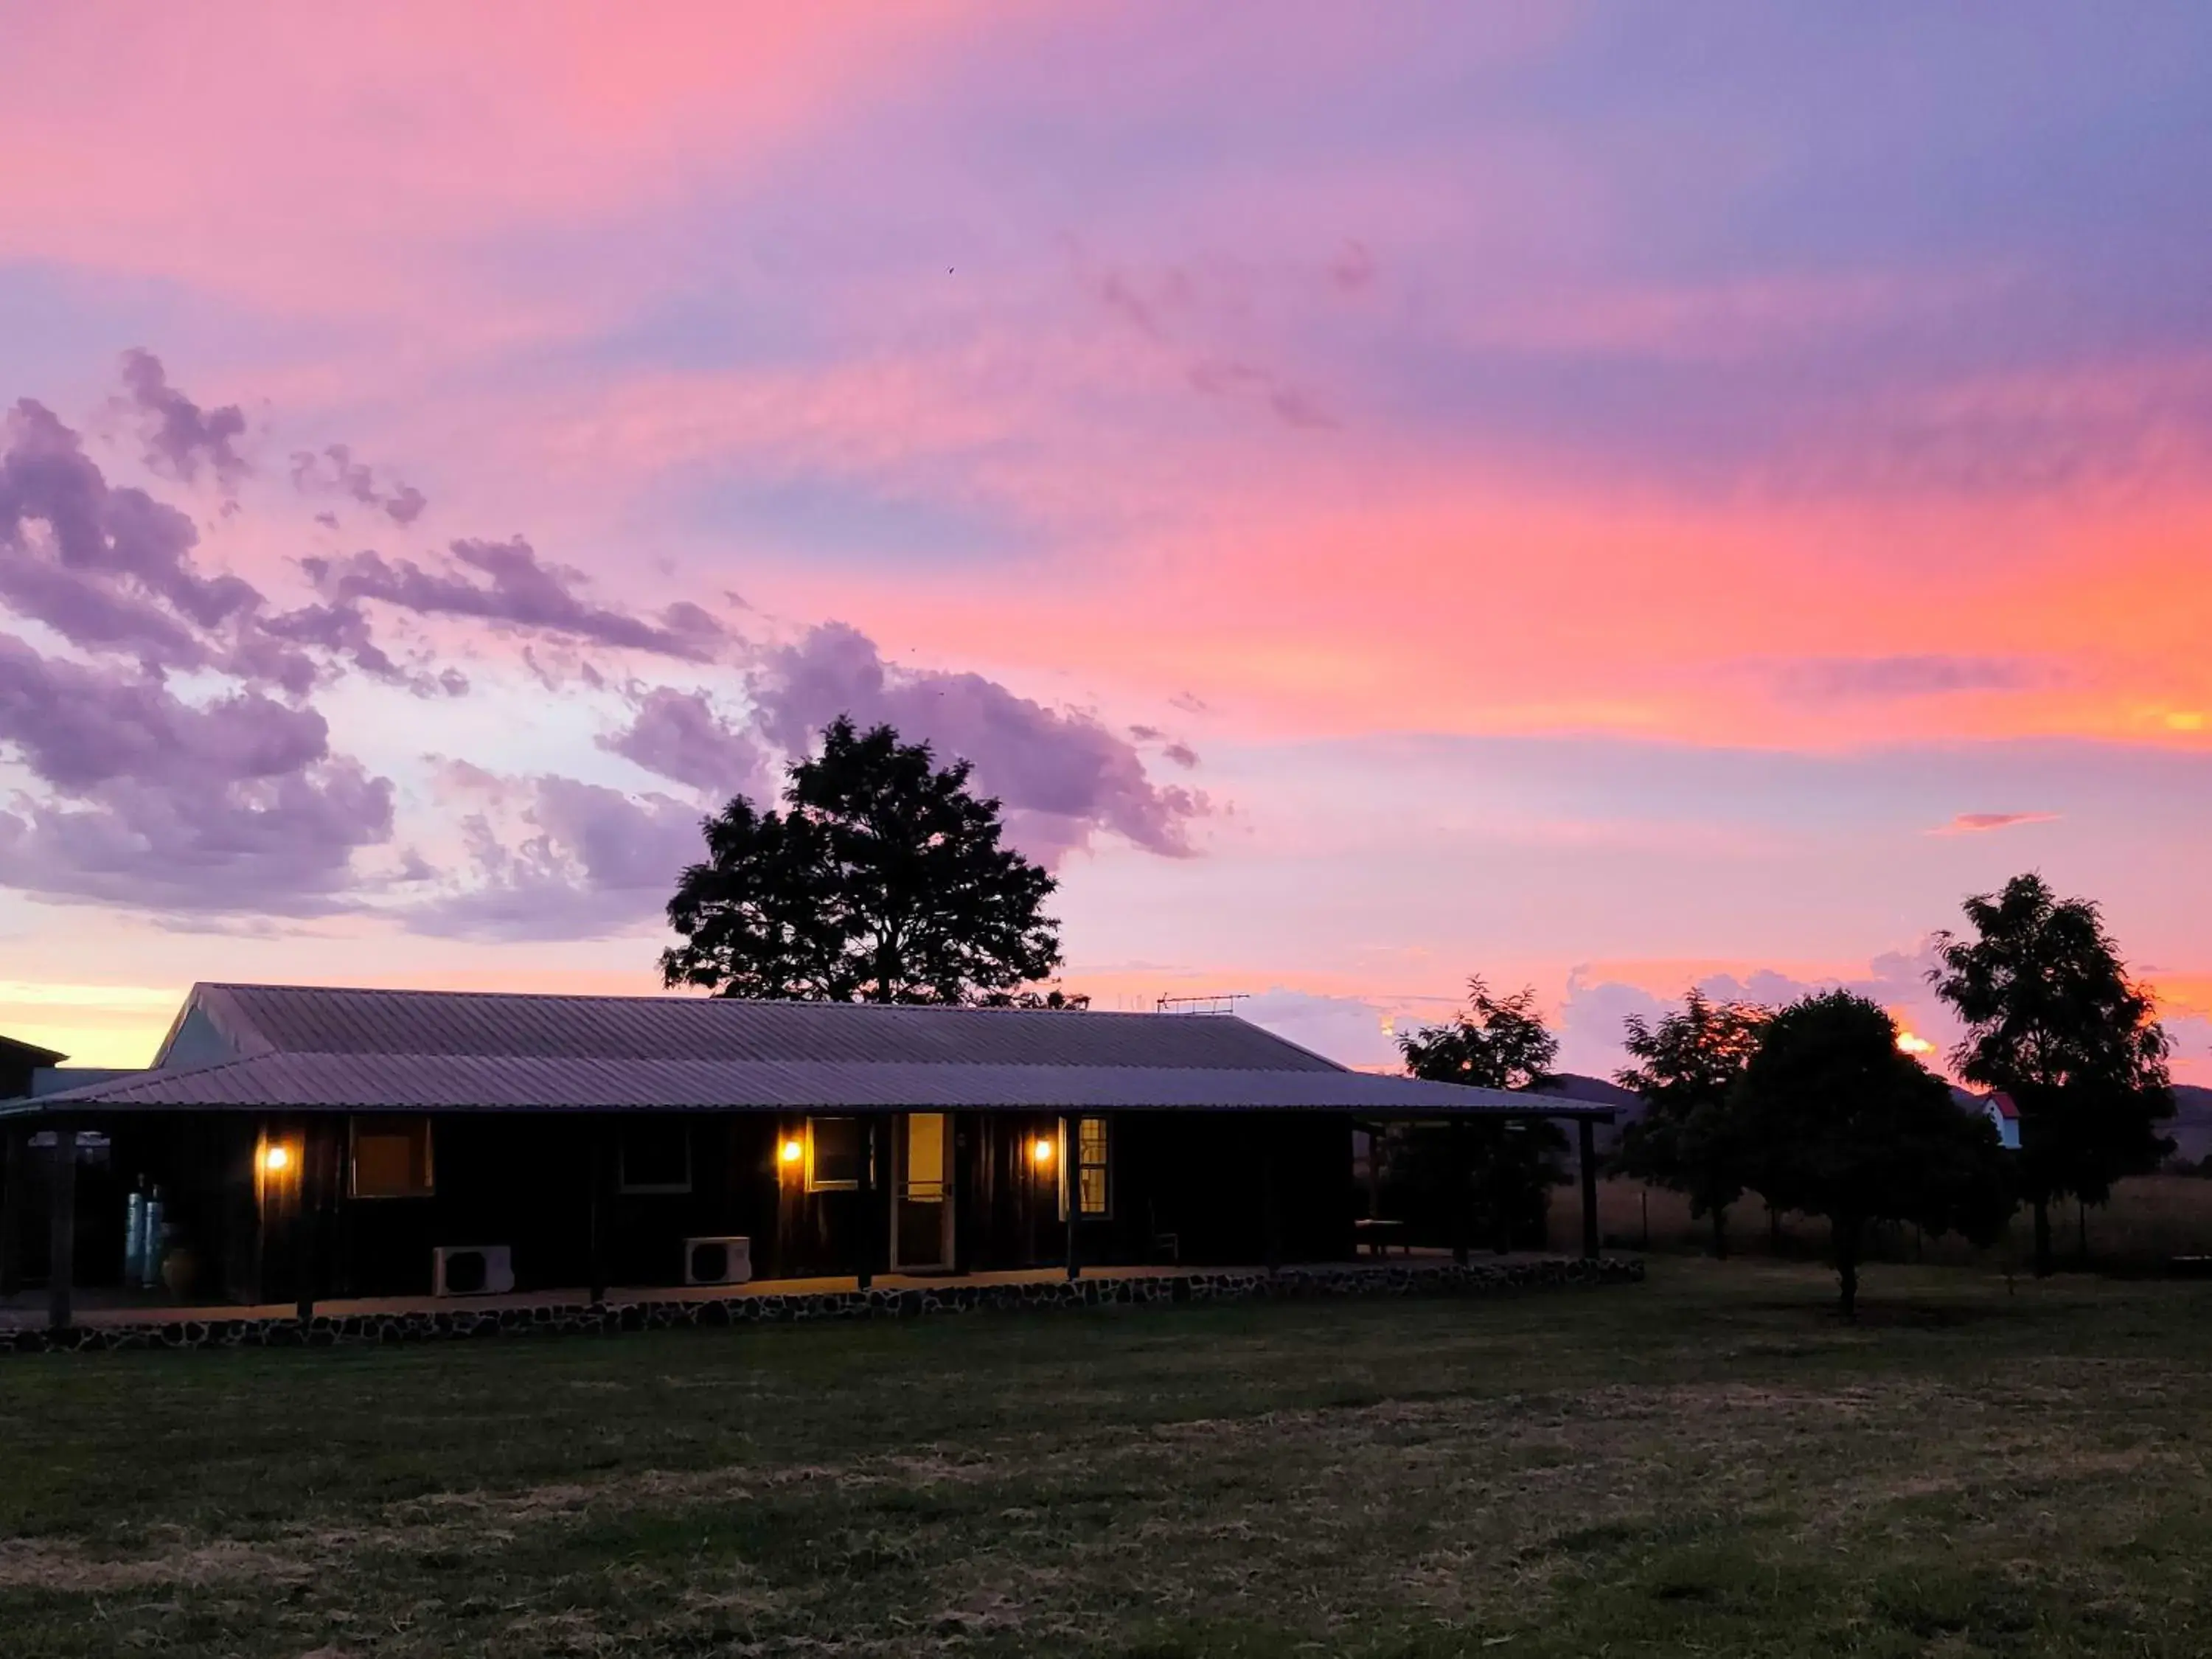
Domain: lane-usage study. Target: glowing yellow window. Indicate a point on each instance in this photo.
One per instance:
(1091, 1166)
(391, 1157)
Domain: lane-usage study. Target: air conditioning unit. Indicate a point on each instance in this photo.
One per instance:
(717, 1261)
(471, 1270)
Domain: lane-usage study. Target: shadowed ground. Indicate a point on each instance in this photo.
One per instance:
(1708, 1461)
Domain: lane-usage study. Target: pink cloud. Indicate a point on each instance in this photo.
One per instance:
(1971, 824)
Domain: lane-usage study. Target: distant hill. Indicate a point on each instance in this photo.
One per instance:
(2191, 1125)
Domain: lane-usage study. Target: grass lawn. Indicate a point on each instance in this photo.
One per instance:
(1707, 1463)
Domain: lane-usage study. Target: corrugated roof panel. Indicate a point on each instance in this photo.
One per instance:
(312, 1019)
(509, 1083)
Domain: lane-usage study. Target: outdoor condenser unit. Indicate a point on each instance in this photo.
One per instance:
(717, 1261)
(471, 1269)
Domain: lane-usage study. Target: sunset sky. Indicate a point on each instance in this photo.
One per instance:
(1606, 497)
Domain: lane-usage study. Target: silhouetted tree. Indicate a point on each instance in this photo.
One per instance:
(1839, 1123)
(882, 880)
(1688, 1065)
(2054, 1021)
(1495, 1043)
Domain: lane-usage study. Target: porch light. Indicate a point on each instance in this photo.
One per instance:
(275, 1158)
(791, 1151)
(1040, 1152)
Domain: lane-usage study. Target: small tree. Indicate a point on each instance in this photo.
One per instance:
(1496, 1042)
(1688, 1065)
(1841, 1124)
(2054, 1021)
(882, 880)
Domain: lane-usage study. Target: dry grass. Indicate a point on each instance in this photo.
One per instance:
(1708, 1462)
(2148, 1222)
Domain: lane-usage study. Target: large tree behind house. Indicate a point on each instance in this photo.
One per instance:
(2054, 1021)
(882, 880)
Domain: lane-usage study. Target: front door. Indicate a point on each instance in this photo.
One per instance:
(922, 1192)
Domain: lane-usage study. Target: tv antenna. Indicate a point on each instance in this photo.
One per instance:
(1223, 1004)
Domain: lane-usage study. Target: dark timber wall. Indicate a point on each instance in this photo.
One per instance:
(1223, 1189)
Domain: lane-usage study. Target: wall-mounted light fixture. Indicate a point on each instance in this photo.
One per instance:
(1040, 1151)
(275, 1158)
(791, 1151)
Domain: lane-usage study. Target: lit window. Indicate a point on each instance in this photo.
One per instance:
(833, 1151)
(391, 1157)
(656, 1156)
(1091, 1165)
(925, 1157)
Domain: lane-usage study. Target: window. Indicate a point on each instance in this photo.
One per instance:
(392, 1157)
(656, 1156)
(925, 1157)
(833, 1151)
(1091, 1165)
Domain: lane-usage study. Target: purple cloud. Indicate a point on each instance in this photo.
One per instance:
(1351, 1031)
(180, 436)
(556, 858)
(340, 629)
(592, 862)
(334, 471)
(223, 804)
(1591, 1019)
(1177, 750)
(516, 590)
(1061, 775)
(284, 848)
(682, 735)
(78, 726)
(112, 570)
(235, 806)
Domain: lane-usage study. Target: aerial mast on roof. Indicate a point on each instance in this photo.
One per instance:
(1223, 1004)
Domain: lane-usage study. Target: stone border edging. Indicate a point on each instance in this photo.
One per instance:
(774, 1308)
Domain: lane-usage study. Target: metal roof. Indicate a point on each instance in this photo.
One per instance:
(22, 1052)
(316, 1019)
(508, 1083)
(310, 1048)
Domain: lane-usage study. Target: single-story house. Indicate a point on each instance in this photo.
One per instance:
(2004, 1114)
(310, 1143)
